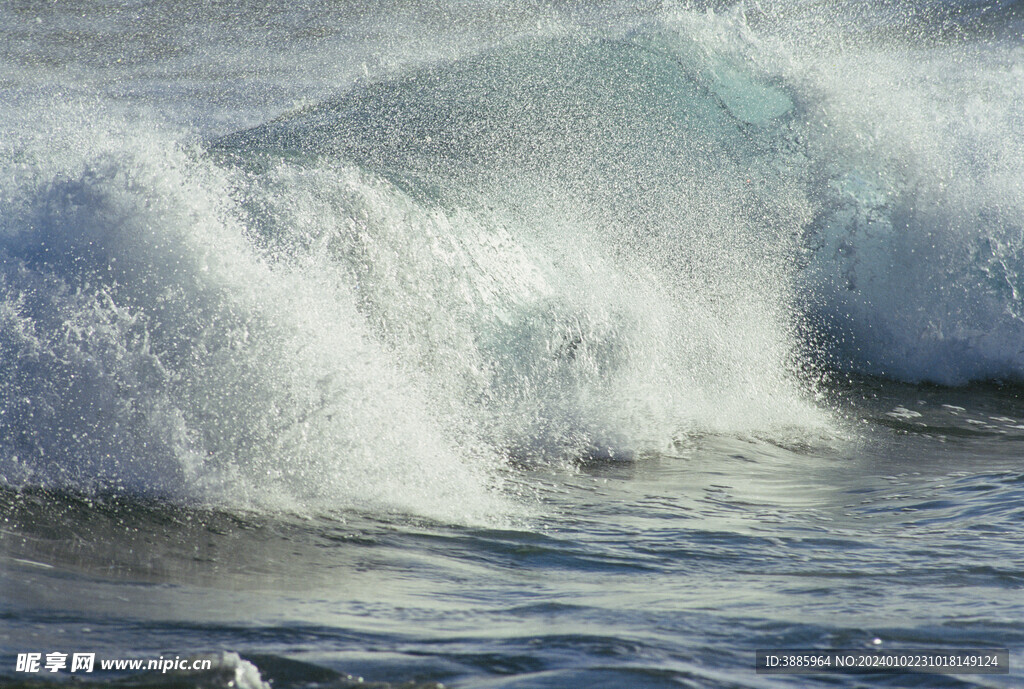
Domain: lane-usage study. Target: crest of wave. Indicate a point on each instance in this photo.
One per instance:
(147, 346)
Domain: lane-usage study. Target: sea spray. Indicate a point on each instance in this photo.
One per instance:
(552, 249)
(916, 250)
(621, 213)
(148, 347)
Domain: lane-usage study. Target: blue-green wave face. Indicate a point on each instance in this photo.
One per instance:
(601, 222)
(540, 103)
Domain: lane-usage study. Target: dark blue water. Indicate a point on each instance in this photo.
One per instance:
(560, 346)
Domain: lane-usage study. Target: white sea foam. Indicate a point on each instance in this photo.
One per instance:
(562, 247)
(148, 346)
(917, 251)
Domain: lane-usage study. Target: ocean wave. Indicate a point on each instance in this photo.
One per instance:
(562, 247)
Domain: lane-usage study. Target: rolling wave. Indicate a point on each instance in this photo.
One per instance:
(562, 247)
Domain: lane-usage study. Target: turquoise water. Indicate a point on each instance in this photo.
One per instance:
(566, 346)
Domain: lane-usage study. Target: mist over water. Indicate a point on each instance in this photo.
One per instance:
(548, 345)
(387, 296)
(568, 242)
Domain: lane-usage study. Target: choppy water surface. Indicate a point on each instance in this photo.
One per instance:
(559, 346)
